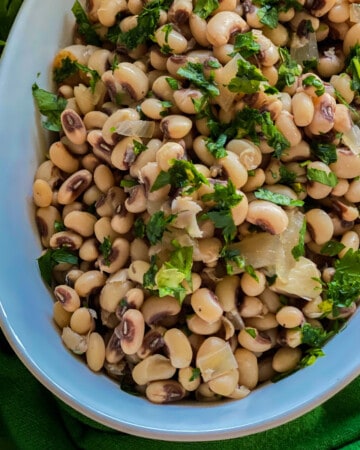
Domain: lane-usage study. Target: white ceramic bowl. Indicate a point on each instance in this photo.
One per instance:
(26, 305)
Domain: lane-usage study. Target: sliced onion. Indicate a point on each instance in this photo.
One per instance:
(351, 139)
(186, 209)
(304, 48)
(140, 128)
(354, 9)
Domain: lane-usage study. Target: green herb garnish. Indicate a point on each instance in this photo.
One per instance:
(51, 258)
(51, 106)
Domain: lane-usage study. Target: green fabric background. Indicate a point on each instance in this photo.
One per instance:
(31, 418)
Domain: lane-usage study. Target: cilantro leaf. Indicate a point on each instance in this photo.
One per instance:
(85, 27)
(51, 106)
(157, 225)
(278, 199)
(51, 258)
(320, 176)
(203, 8)
(182, 174)
(247, 79)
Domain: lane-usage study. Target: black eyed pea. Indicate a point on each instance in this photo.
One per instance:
(198, 29)
(315, 189)
(137, 270)
(253, 340)
(225, 384)
(60, 315)
(131, 331)
(200, 327)
(253, 285)
(226, 291)
(206, 305)
(342, 119)
(100, 148)
(42, 193)
(312, 309)
(249, 154)
(178, 348)
(185, 98)
(353, 192)
(148, 174)
(123, 222)
(95, 353)
(320, 225)
(136, 201)
(103, 178)
(204, 394)
(111, 202)
(107, 133)
(74, 186)
(89, 250)
(271, 300)
(89, 282)
(268, 216)
(188, 378)
(108, 11)
(74, 341)
(82, 321)
(324, 114)
(266, 371)
(172, 39)
(251, 307)
(272, 171)
(347, 165)
(68, 239)
(248, 371)
(331, 62)
(156, 309)
(94, 120)
(286, 358)
(342, 83)
(73, 126)
(300, 151)
(47, 171)
(286, 125)
(62, 158)
(255, 180)
(351, 38)
(239, 211)
(153, 368)
(302, 109)
(165, 391)
(234, 169)
(215, 358)
(67, 297)
(351, 241)
(290, 317)
(346, 210)
(153, 108)
(158, 62)
(112, 293)
(264, 322)
(81, 222)
(91, 196)
(228, 328)
(167, 152)
(222, 26)
(153, 342)
(175, 126)
(208, 251)
(117, 258)
(102, 230)
(139, 250)
(293, 337)
(132, 79)
(341, 189)
(161, 88)
(123, 155)
(201, 151)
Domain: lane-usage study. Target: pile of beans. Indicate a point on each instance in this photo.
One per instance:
(235, 328)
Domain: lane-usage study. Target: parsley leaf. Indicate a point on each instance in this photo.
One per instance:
(320, 176)
(203, 8)
(232, 258)
(157, 225)
(312, 80)
(149, 276)
(195, 374)
(288, 70)
(51, 106)
(299, 249)
(216, 148)
(326, 152)
(69, 67)
(138, 147)
(139, 228)
(278, 199)
(247, 79)
(105, 249)
(51, 258)
(182, 174)
(314, 336)
(353, 67)
(85, 27)
(332, 248)
(246, 44)
(173, 83)
(194, 72)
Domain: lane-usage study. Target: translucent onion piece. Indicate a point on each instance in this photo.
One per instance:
(351, 139)
(75, 342)
(140, 128)
(304, 48)
(215, 358)
(186, 209)
(354, 9)
(302, 280)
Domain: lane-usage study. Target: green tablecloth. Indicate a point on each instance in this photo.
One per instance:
(31, 418)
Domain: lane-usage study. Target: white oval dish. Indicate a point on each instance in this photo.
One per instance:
(26, 305)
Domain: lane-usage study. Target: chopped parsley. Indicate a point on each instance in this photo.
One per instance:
(314, 336)
(217, 148)
(51, 106)
(326, 152)
(173, 83)
(105, 249)
(353, 67)
(225, 197)
(246, 44)
(181, 175)
(251, 332)
(312, 80)
(157, 225)
(139, 228)
(138, 147)
(320, 176)
(299, 249)
(85, 27)
(248, 78)
(232, 257)
(195, 374)
(332, 248)
(288, 69)
(278, 199)
(268, 12)
(203, 8)
(59, 226)
(70, 67)
(51, 258)
(147, 23)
